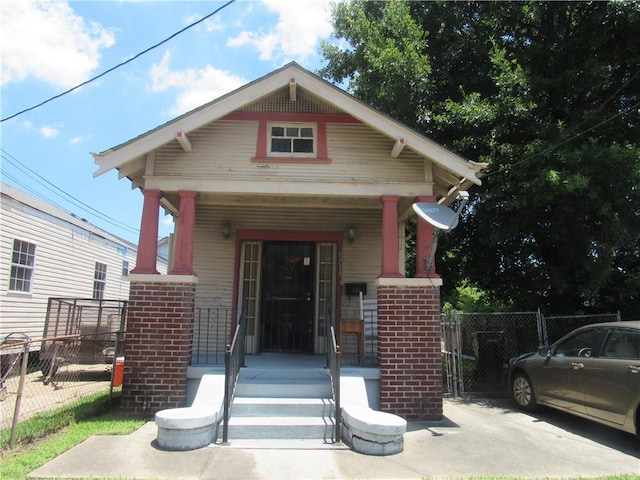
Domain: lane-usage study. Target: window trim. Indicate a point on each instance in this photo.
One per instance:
(126, 268)
(23, 267)
(288, 125)
(97, 281)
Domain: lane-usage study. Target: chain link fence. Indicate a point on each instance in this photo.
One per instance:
(80, 356)
(477, 347)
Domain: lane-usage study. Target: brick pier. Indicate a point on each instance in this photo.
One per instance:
(158, 343)
(409, 348)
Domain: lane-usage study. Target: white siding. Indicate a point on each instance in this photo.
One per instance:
(66, 254)
(225, 149)
(214, 256)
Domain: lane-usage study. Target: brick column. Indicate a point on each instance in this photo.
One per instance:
(158, 344)
(409, 348)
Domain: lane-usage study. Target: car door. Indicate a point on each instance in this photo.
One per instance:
(560, 378)
(612, 381)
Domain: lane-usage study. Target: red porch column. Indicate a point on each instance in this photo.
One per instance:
(409, 348)
(148, 240)
(183, 260)
(390, 243)
(424, 244)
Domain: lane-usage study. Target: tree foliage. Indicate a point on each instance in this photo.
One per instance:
(547, 94)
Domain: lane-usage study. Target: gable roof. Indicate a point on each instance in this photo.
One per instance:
(464, 170)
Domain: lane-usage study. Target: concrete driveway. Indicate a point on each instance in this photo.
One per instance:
(477, 437)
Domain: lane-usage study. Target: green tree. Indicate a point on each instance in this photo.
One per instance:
(547, 94)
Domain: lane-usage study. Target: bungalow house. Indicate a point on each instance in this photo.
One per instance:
(289, 196)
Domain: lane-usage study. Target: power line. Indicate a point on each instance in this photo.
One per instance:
(6, 156)
(120, 64)
(568, 139)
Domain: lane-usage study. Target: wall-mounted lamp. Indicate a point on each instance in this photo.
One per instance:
(351, 234)
(225, 230)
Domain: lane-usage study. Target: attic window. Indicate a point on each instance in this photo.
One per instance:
(292, 140)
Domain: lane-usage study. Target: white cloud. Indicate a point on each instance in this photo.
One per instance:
(301, 24)
(78, 139)
(213, 24)
(197, 86)
(46, 40)
(49, 132)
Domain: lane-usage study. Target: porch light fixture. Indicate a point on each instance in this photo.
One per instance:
(351, 233)
(225, 230)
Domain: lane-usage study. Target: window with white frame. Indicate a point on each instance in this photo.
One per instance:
(125, 268)
(99, 281)
(23, 261)
(292, 140)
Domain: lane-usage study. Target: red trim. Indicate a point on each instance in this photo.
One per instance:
(321, 121)
(291, 117)
(183, 261)
(148, 240)
(288, 236)
(424, 243)
(390, 242)
(322, 141)
(261, 143)
(291, 160)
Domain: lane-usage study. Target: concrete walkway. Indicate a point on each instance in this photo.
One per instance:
(477, 437)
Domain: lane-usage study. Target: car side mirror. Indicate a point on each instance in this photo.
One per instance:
(544, 351)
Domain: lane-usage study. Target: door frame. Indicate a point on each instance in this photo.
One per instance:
(283, 236)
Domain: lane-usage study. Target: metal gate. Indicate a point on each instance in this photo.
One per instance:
(477, 347)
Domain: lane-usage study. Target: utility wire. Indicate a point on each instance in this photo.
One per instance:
(120, 64)
(566, 140)
(6, 156)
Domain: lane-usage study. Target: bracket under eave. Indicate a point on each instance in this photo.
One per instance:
(184, 142)
(398, 147)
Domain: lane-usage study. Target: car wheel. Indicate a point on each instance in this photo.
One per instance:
(523, 393)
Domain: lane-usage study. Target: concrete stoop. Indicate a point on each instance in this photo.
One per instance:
(282, 408)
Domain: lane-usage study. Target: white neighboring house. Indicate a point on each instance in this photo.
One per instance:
(47, 252)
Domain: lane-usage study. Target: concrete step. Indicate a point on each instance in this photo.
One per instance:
(292, 390)
(281, 407)
(283, 404)
(285, 444)
(307, 383)
(279, 428)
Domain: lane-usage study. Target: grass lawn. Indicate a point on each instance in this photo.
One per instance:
(44, 437)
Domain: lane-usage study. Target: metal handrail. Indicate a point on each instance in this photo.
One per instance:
(233, 360)
(333, 361)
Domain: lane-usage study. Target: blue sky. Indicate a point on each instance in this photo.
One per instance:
(49, 47)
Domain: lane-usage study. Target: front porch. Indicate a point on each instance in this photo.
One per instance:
(269, 369)
(160, 344)
(213, 326)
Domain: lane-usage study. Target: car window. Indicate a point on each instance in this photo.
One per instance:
(581, 344)
(623, 343)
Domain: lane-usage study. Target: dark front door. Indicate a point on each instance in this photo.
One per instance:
(287, 297)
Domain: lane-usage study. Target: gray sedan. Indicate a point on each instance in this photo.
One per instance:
(593, 372)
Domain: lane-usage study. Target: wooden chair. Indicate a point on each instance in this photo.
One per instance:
(353, 326)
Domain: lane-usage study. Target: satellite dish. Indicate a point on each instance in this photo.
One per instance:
(441, 217)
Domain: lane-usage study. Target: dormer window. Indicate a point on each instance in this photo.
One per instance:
(292, 140)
